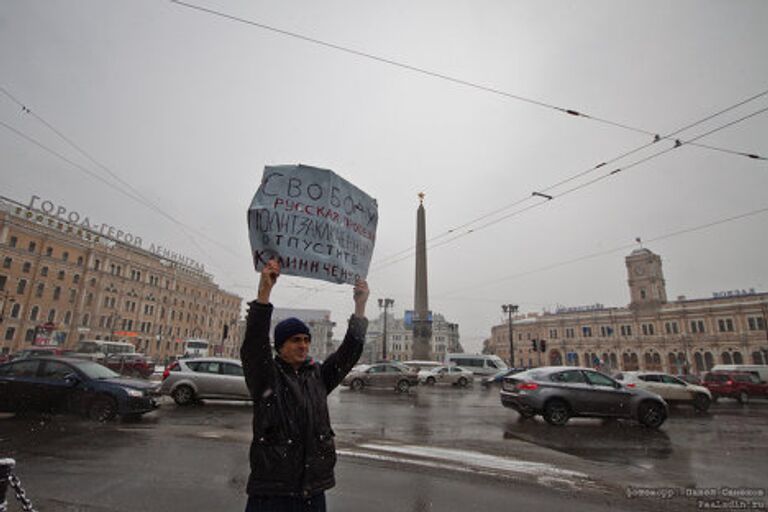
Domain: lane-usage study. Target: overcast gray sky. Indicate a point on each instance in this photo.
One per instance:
(188, 107)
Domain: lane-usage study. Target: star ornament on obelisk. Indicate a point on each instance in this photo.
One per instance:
(422, 321)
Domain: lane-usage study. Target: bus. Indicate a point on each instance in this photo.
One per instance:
(196, 347)
(479, 364)
(98, 350)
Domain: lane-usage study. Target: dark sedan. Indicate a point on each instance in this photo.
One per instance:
(559, 393)
(57, 384)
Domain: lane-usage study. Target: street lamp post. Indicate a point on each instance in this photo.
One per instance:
(510, 309)
(385, 303)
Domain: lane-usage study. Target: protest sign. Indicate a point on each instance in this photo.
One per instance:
(315, 223)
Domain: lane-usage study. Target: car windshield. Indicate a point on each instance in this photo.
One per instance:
(95, 370)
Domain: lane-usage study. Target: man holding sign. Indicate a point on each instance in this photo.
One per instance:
(293, 453)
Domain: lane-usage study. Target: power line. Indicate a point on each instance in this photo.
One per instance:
(678, 143)
(423, 71)
(136, 195)
(657, 238)
(397, 256)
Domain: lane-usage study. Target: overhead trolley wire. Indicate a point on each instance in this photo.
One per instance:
(678, 144)
(427, 72)
(396, 257)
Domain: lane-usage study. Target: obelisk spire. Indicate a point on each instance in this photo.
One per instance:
(422, 324)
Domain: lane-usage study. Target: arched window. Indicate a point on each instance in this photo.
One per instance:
(698, 361)
(634, 362)
(737, 359)
(30, 335)
(33, 313)
(614, 361)
(757, 358)
(16, 311)
(726, 357)
(52, 315)
(709, 360)
(555, 358)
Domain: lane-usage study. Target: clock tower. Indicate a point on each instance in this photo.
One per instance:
(647, 287)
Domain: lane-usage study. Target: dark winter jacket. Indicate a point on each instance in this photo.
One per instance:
(292, 452)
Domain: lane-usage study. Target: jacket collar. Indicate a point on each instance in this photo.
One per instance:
(306, 365)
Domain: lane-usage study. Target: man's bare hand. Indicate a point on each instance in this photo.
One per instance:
(269, 275)
(360, 296)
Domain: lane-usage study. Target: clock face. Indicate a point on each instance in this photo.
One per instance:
(639, 270)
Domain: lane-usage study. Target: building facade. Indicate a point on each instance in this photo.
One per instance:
(652, 333)
(62, 282)
(445, 339)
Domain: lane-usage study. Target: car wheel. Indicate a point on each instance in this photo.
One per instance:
(357, 385)
(701, 402)
(463, 382)
(743, 397)
(430, 381)
(102, 408)
(651, 414)
(556, 412)
(402, 386)
(183, 395)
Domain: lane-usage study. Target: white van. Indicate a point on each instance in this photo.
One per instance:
(479, 364)
(761, 370)
(422, 365)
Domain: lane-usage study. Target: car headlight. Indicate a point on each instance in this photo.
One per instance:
(134, 392)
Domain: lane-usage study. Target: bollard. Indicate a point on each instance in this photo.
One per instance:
(6, 466)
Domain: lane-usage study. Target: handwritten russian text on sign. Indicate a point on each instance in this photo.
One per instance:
(315, 223)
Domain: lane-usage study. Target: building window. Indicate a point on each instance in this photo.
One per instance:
(75, 278)
(671, 328)
(725, 325)
(647, 329)
(44, 271)
(756, 323)
(97, 264)
(84, 321)
(49, 251)
(65, 256)
(9, 333)
(88, 299)
(93, 281)
(52, 315)
(79, 261)
(61, 275)
(30, 335)
(586, 332)
(553, 334)
(569, 333)
(67, 317)
(3, 280)
(13, 241)
(39, 290)
(33, 313)
(626, 330)
(16, 311)
(697, 326)
(7, 262)
(21, 286)
(57, 293)
(32, 246)
(606, 331)
(642, 293)
(26, 267)
(72, 294)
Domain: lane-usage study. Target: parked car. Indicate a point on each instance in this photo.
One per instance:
(59, 384)
(135, 365)
(454, 375)
(690, 378)
(190, 380)
(498, 377)
(559, 393)
(740, 386)
(38, 352)
(383, 375)
(671, 389)
(759, 370)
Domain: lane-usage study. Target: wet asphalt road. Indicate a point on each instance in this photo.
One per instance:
(439, 448)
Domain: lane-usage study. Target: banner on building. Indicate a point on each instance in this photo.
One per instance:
(317, 224)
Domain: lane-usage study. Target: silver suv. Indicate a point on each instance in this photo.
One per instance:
(190, 380)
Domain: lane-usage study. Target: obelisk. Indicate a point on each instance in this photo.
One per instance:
(422, 323)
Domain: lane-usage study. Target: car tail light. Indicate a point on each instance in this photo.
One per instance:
(631, 385)
(527, 386)
(729, 383)
(167, 371)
